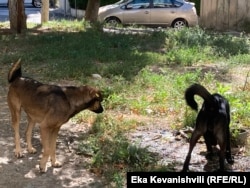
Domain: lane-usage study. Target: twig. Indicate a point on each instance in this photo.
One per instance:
(246, 81)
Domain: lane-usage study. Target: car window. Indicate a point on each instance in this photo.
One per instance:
(138, 4)
(166, 3)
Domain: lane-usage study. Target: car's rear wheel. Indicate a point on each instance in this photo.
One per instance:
(37, 3)
(113, 21)
(180, 23)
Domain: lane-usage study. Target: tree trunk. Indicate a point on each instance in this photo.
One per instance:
(45, 11)
(17, 16)
(91, 13)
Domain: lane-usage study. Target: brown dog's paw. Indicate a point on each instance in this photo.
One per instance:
(42, 169)
(19, 154)
(57, 165)
(32, 150)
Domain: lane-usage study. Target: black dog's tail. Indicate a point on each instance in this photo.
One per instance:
(15, 71)
(197, 89)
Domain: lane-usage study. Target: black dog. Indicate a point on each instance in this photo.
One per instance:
(212, 123)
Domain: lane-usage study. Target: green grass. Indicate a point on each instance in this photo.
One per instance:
(144, 77)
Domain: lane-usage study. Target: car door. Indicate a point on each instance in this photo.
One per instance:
(164, 12)
(137, 12)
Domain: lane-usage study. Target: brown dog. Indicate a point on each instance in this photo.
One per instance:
(49, 105)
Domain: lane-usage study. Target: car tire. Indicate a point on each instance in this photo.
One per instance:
(180, 23)
(37, 3)
(113, 21)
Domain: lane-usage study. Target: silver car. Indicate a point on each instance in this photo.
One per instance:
(160, 13)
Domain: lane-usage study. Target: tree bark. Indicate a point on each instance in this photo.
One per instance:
(45, 11)
(17, 16)
(91, 13)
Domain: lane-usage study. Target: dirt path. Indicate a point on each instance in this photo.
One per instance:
(24, 173)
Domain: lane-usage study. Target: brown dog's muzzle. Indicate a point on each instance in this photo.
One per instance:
(96, 106)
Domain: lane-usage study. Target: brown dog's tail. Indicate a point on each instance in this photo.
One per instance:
(197, 89)
(15, 71)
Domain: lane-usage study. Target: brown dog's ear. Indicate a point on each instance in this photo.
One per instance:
(95, 94)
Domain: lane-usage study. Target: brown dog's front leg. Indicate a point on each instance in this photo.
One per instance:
(18, 150)
(29, 129)
(54, 162)
(45, 138)
(15, 117)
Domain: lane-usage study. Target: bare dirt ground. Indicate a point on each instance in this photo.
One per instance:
(157, 137)
(172, 150)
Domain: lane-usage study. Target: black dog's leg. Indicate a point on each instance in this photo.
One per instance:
(194, 138)
(209, 140)
(222, 145)
(229, 156)
(221, 135)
